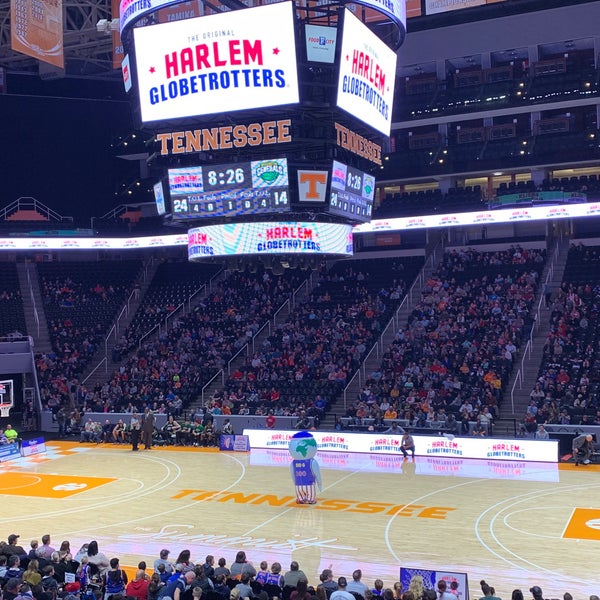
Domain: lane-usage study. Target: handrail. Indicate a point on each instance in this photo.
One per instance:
(297, 291)
(266, 325)
(173, 313)
(36, 316)
(375, 349)
(148, 333)
(105, 361)
(287, 302)
(209, 382)
(189, 301)
(349, 384)
(518, 379)
(107, 338)
(229, 363)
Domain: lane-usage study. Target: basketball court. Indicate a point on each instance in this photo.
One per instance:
(514, 524)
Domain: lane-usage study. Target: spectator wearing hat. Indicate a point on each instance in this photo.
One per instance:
(164, 560)
(536, 592)
(327, 582)
(10, 548)
(341, 593)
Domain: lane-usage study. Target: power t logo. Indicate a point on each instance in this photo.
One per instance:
(218, 63)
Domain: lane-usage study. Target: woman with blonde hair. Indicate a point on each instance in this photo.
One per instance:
(416, 587)
(32, 574)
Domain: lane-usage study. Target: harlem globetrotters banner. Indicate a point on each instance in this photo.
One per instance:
(217, 64)
(236, 239)
(367, 75)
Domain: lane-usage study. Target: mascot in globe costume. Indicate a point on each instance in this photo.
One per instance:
(305, 470)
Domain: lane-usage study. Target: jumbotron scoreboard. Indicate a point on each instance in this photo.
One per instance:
(254, 123)
(234, 189)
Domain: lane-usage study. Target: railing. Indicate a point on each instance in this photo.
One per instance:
(105, 361)
(375, 349)
(148, 334)
(349, 386)
(230, 362)
(189, 301)
(36, 316)
(267, 325)
(209, 383)
(284, 305)
(518, 380)
(549, 278)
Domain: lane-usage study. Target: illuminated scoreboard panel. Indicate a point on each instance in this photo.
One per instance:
(352, 193)
(230, 190)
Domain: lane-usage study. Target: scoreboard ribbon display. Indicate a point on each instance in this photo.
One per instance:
(234, 189)
(297, 238)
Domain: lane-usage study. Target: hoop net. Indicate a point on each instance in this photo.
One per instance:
(5, 409)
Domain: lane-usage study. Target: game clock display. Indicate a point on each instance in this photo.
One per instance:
(235, 189)
(352, 193)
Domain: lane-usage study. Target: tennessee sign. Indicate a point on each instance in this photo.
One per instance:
(367, 75)
(217, 64)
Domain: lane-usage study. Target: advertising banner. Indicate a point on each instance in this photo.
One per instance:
(34, 446)
(9, 452)
(425, 445)
(217, 63)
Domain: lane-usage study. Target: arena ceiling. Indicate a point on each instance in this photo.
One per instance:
(88, 53)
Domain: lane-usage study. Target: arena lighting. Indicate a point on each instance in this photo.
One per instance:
(482, 217)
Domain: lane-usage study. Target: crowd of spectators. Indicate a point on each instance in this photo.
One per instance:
(568, 383)
(45, 573)
(307, 361)
(448, 366)
(80, 305)
(167, 373)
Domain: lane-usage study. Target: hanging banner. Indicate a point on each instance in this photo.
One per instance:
(36, 29)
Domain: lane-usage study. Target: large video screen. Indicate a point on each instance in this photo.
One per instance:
(217, 64)
(234, 189)
(298, 238)
(352, 193)
(367, 75)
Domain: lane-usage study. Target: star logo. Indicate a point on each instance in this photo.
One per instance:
(276, 51)
(152, 70)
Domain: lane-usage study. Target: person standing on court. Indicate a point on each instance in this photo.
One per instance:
(148, 422)
(135, 426)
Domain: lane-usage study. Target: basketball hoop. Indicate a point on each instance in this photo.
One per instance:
(5, 409)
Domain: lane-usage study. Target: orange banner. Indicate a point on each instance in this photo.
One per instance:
(37, 30)
(118, 51)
